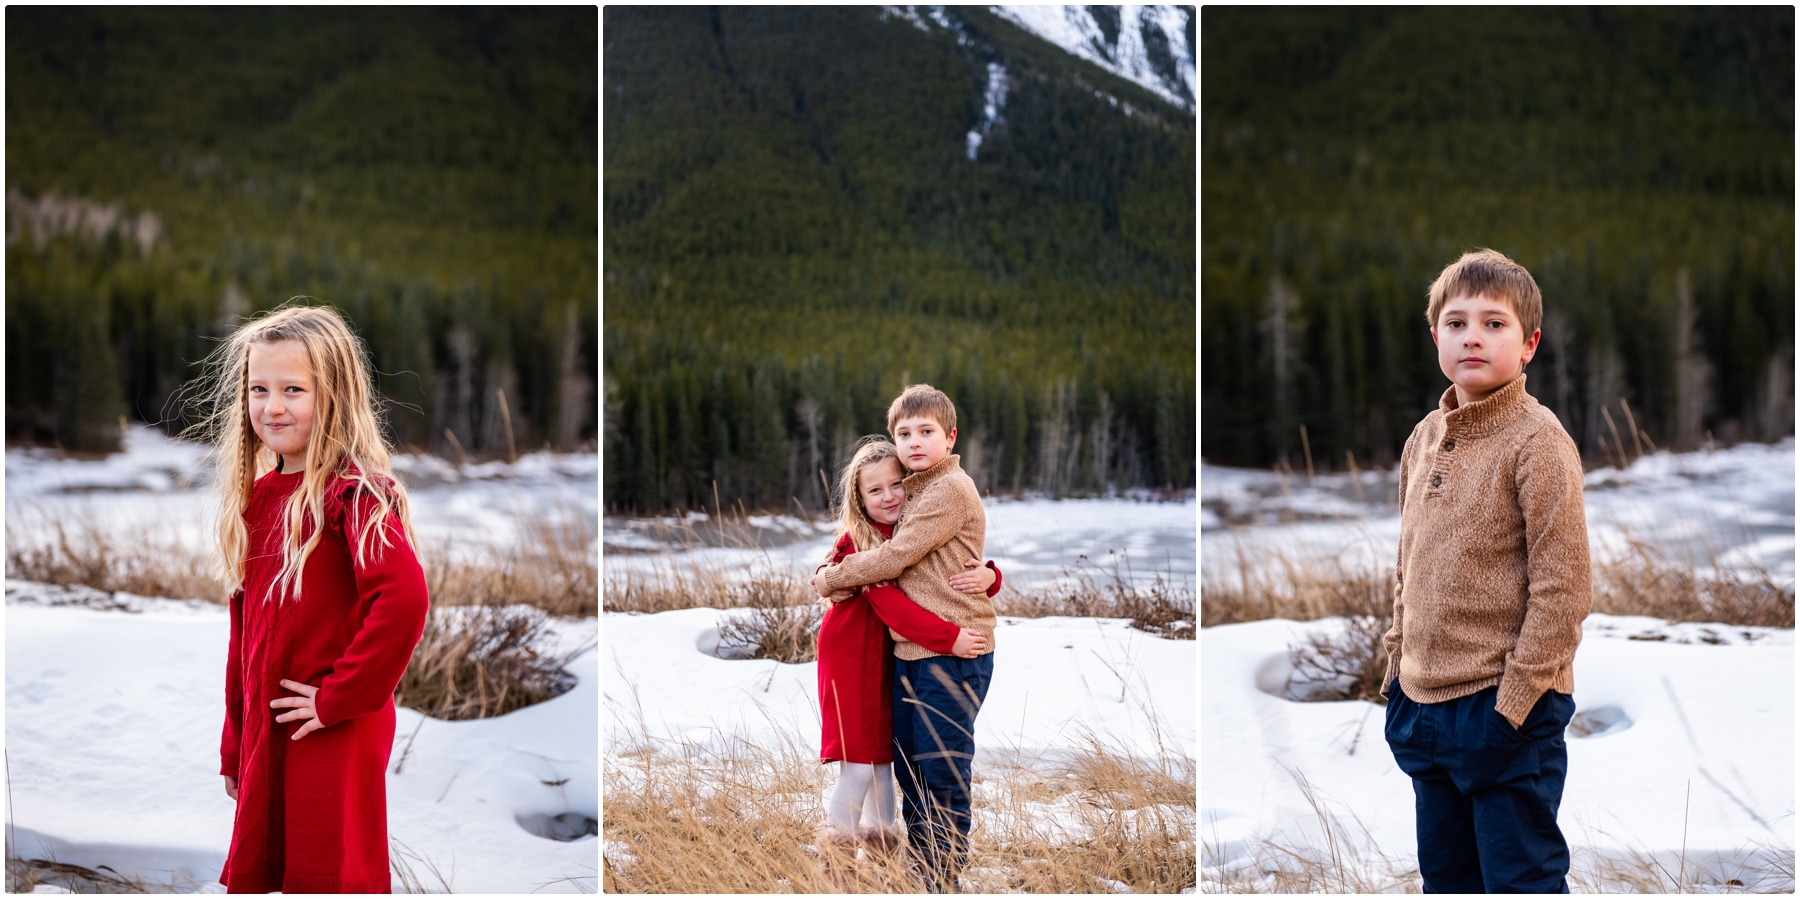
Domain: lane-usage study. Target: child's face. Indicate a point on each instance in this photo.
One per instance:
(882, 490)
(281, 399)
(923, 442)
(1481, 345)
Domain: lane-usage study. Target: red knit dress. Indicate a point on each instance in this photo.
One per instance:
(856, 665)
(312, 814)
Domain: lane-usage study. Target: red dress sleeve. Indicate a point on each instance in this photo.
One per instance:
(995, 589)
(391, 586)
(911, 621)
(234, 690)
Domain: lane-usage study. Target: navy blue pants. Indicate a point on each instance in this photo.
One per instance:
(935, 702)
(1486, 794)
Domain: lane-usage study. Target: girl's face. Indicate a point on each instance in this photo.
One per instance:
(881, 489)
(281, 399)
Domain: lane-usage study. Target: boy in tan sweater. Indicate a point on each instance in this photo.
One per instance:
(1491, 588)
(935, 697)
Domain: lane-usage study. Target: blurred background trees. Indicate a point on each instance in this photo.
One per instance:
(1639, 161)
(796, 227)
(430, 173)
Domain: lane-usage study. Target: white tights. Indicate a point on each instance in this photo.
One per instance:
(858, 782)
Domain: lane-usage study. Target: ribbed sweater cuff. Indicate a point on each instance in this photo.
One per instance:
(1516, 696)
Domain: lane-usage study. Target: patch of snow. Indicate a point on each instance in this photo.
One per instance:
(96, 699)
(1054, 680)
(1126, 53)
(1717, 717)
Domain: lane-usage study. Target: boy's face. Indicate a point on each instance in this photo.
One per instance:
(922, 442)
(1481, 345)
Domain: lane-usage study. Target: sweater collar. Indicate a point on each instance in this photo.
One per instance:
(1484, 415)
(885, 530)
(918, 479)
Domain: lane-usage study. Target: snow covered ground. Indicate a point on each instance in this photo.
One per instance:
(1671, 708)
(112, 740)
(1054, 680)
(1033, 540)
(1730, 510)
(1664, 707)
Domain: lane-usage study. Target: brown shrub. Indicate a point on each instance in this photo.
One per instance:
(484, 661)
(780, 620)
(1161, 608)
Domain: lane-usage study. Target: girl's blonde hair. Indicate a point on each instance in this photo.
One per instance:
(869, 451)
(345, 441)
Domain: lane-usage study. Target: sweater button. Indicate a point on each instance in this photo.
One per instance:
(1449, 445)
(1436, 480)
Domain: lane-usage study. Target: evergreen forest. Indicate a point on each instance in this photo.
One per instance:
(430, 173)
(807, 208)
(1638, 161)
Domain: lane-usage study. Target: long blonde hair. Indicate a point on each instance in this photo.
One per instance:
(345, 441)
(870, 451)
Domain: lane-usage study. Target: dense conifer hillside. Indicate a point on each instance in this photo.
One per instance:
(808, 207)
(432, 173)
(1639, 161)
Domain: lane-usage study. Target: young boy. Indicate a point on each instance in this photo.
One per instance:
(1492, 586)
(936, 697)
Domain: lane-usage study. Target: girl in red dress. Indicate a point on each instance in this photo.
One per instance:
(856, 658)
(330, 601)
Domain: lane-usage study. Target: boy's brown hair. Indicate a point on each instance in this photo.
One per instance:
(1490, 274)
(922, 400)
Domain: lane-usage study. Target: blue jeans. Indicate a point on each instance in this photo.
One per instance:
(1486, 794)
(935, 703)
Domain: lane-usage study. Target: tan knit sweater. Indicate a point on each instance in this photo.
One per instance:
(1493, 579)
(941, 526)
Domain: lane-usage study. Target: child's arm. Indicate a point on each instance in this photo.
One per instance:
(910, 620)
(391, 582)
(1391, 640)
(234, 696)
(931, 523)
(1556, 569)
(978, 580)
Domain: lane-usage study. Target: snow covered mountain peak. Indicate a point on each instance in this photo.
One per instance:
(1150, 45)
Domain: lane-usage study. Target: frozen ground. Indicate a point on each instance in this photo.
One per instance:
(1033, 540)
(158, 489)
(1671, 707)
(1055, 679)
(112, 740)
(1732, 509)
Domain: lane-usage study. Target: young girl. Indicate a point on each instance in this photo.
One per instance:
(330, 601)
(856, 660)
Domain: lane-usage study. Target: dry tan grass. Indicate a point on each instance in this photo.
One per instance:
(1164, 607)
(679, 819)
(1645, 582)
(780, 620)
(553, 568)
(80, 551)
(482, 662)
(1273, 584)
